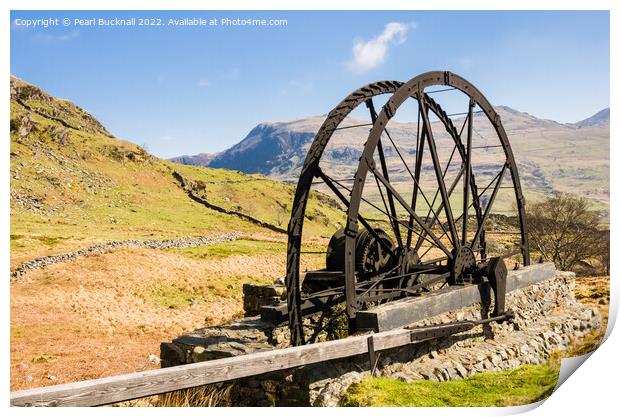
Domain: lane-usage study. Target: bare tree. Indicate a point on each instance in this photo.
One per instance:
(565, 230)
(603, 254)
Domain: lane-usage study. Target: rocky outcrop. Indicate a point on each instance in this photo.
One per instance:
(60, 111)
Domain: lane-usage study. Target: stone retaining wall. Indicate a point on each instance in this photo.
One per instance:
(547, 319)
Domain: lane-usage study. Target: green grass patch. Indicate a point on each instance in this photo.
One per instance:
(587, 344)
(592, 294)
(44, 358)
(50, 240)
(236, 247)
(171, 296)
(523, 385)
(249, 247)
(262, 198)
(51, 329)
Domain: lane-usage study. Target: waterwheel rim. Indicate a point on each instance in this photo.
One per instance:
(373, 165)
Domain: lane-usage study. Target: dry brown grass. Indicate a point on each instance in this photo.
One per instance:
(104, 314)
(207, 396)
(594, 291)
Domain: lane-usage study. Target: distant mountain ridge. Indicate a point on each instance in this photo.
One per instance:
(274, 148)
(201, 159)
(552, 156)
(600, 119)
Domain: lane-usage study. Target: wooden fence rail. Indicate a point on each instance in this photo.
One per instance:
(142, 384)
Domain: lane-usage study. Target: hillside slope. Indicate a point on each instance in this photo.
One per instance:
(72, 183)
(73, 186)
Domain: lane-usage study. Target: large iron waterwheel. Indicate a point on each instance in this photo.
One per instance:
(417, 207)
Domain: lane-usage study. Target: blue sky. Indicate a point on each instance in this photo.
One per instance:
(185, 90)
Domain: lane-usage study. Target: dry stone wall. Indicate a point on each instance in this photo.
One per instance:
(185, 242)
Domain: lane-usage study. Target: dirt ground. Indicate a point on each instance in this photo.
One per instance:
(105, 314)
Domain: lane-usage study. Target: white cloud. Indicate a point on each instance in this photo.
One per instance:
(204, 83)
(370, 54)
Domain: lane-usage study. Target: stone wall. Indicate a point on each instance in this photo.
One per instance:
(547, 319)
(184, 242)
(255, 296)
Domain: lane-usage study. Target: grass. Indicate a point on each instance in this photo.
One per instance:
(248, 247)
(44, 357)
(86, 311)
(595, 294)
(237, 247)
(208, 396)
(171, 296)
(263, 198)
(94, 189)
(523, 385)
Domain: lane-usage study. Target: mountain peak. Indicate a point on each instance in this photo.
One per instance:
(600, 119)
(510, 110)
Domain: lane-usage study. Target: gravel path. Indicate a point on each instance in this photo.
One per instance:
(185, 242)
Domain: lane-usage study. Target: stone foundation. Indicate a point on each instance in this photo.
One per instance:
(547, 319)
(255, 296)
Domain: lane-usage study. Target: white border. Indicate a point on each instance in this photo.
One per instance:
(591, 390)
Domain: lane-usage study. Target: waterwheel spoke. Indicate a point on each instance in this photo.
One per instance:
(433, 220)
(396, 228)
(384, 202)
(406, 206)
(346, 202)
(448, 164)
(419, 149)
(470, 206)
(457, 138)
(437, 167)
(476, 196)
(487, 210)
(466, 184)
(445, 171)
(328, 181)
(413, 177)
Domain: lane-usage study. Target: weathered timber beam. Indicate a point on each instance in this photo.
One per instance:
(410, 310)
(141, 384)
